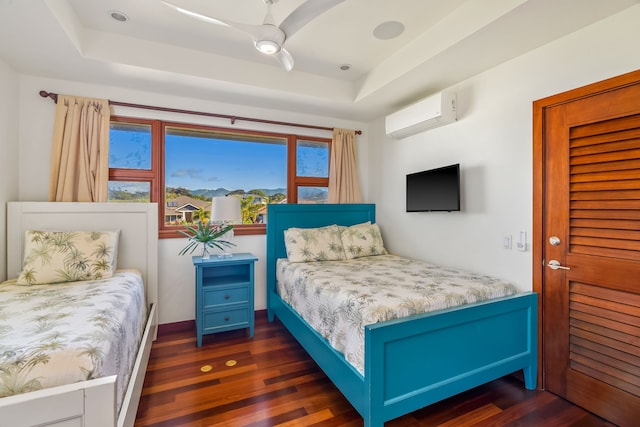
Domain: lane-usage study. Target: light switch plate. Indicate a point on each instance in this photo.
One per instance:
(506, 241)
(521, 244)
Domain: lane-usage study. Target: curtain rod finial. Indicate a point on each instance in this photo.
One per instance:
(45, 94)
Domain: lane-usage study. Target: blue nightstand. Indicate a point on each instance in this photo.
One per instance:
(224, 294)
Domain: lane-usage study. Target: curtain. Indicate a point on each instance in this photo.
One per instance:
(80, 150)
(344, 186)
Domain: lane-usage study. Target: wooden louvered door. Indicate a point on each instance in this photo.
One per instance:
(591, 231)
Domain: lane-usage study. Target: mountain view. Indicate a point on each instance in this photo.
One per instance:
(139, 192)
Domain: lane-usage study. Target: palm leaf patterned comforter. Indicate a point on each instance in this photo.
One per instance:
(338, 298)
(69, 332)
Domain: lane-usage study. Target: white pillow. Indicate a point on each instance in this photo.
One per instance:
(68, 256)
(362, 240)
(314, 244)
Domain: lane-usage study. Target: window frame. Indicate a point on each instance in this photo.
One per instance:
(156, 176)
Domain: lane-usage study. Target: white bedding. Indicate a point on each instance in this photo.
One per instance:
(338, 298)
(63, 333)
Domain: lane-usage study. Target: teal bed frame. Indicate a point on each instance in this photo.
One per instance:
(412, 362)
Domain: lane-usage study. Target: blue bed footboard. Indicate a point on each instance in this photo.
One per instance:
(415, 361)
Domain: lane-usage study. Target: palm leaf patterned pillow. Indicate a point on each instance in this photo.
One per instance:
(314, 244)
(362, 240)
(68, 256)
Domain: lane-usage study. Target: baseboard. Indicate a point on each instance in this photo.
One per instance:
(176, 327)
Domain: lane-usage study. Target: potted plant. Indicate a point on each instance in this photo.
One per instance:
(208, 234)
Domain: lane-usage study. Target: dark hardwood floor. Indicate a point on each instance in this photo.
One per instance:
(275, 383)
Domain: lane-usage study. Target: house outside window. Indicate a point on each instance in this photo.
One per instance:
(183, 166)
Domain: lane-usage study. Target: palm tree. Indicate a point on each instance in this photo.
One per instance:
(249, 209)
(201, 215)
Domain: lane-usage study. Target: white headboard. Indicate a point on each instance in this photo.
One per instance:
(137, 222)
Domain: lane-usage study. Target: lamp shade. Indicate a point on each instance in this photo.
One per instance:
(226, 209)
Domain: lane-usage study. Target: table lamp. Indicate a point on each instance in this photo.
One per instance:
(226, 211)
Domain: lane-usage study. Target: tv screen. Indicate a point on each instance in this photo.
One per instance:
(434, 190)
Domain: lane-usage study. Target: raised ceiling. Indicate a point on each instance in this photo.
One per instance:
(161, 50)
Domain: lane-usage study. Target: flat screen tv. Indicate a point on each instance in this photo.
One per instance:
(434, 190)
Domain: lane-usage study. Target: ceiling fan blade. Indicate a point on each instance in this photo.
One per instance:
(304, 14)
(251, 29)
(285, 59)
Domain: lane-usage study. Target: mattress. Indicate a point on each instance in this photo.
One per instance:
(338, 298)
(58, 334)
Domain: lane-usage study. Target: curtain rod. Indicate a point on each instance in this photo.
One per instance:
(54, 97)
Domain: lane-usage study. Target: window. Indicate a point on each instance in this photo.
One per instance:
(312, 171)
(133, 160)
(182, 166)
(130, 146)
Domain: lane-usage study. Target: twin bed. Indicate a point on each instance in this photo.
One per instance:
(391, 363)
(76, 352)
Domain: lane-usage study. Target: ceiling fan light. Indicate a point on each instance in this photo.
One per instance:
(268, 47)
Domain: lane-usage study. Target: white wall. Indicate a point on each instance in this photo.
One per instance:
(8, 152)
(492, 141)
(176, 273)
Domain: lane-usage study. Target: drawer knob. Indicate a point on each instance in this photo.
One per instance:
(226, 317)
(227, 296)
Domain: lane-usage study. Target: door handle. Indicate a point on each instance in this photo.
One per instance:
(555, 265)
(554, 240)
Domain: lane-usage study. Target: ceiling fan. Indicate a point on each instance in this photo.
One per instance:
(269, 38)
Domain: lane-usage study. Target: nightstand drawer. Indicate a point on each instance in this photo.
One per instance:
(225, 319)
(213, 298)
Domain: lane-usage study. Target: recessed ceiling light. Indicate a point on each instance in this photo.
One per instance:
(345, 67)
(118, 16)
(388, 30)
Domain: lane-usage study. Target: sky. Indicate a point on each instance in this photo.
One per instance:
(196, 163)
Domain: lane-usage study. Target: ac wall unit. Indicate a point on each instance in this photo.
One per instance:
(437, 110)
